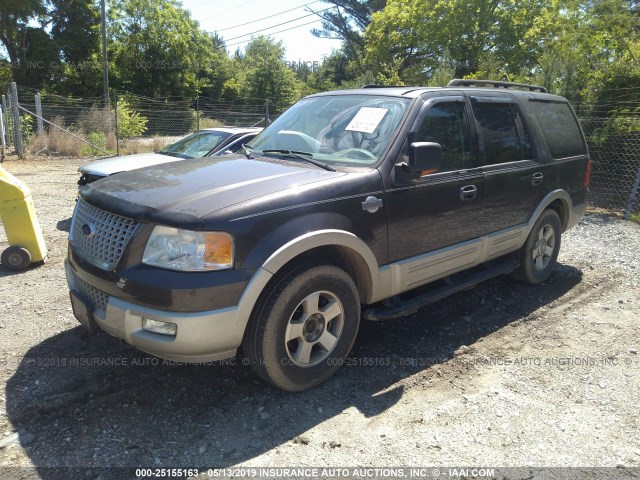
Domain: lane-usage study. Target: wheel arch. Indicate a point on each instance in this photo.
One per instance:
(337, 247)
(558, 200)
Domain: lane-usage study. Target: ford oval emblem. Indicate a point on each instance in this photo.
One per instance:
(88, 230)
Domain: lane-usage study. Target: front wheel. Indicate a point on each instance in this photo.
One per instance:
(304, 327)
(539, 254)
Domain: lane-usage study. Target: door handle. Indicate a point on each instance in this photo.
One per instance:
(537, 178)
(468, 192)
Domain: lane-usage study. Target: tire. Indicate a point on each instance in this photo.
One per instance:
(303, 327)
(539, 253)
(16, 258)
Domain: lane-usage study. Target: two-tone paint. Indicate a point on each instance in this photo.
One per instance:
(390, 232)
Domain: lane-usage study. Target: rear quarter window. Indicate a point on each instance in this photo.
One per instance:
(560, 127)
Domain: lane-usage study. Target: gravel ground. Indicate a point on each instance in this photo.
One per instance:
(502, 375)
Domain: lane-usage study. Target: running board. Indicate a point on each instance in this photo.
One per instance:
(413, 304)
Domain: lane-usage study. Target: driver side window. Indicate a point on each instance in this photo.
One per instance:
(446, 123)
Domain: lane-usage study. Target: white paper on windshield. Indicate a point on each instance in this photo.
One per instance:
(367, 120)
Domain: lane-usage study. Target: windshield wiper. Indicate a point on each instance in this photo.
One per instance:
(303, 156)
(247, 151)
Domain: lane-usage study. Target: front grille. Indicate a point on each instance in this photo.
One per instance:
(97, 298)
(100, 237)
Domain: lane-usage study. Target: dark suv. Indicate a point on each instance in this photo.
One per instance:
(382, 197)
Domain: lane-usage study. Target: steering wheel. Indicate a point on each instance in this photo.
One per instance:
(362, 151)
(310, 143)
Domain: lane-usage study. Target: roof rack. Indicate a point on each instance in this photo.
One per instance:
(471, 82)
(373, 85)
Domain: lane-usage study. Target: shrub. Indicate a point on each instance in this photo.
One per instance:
(99, 139)
(130, 123)
(96, 119)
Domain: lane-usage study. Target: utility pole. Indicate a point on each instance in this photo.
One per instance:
(105, 68)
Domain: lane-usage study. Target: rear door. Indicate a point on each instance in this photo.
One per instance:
(566, 144)
(515, 177)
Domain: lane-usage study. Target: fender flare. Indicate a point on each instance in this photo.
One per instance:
(329, 237)
(551, 197)
(291, 250)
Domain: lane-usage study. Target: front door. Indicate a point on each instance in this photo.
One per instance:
(440, 208)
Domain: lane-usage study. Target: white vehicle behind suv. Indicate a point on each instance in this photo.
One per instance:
(208, 142)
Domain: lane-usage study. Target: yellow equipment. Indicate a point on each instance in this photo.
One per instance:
(18, 215)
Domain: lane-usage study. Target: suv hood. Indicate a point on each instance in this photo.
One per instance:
(184, 192)
(109, 166)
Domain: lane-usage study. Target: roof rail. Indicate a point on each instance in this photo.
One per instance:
(373, 85)
(471, 82)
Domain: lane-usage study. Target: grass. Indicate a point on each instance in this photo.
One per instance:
(55, 141)
(206, 122)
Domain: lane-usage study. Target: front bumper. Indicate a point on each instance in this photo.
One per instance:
(201, 336)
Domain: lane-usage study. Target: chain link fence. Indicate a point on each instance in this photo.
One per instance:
(132, 124)
(123, 124)
(614, 145)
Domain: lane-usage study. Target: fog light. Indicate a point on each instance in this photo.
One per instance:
(163, 328)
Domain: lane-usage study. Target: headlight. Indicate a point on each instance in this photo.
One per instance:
(177, 249)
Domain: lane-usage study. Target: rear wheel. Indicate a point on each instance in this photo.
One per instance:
(539, 254)
(303, 327)
(16, 258)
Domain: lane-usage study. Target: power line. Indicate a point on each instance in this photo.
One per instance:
(265, 18)
(231, 9)
(278, 25)
(271, 33)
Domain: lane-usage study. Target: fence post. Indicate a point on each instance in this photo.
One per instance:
(17, 138)
(115, 105)
(38, 100)
(632, 197)
(266, 113)
(198, 113)
(5, 109)
(9, 118)
(4, 144)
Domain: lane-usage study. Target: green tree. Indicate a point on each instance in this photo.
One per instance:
(410, 39)
(14, 17)
(335, 71)
(76, 32)
(262, 74)
(38, 34)
(347, 22)
(592, 56)
(5, 75)
(76, 29)
(157, 49)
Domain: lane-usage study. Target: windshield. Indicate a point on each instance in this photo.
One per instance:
(349, 130)
(198, 144)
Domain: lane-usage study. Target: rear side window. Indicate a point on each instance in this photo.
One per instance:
(503, 132)
(560, 128)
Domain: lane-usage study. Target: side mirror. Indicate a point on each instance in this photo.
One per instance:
(424, 156)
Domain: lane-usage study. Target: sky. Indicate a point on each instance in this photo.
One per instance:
(235, 19)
